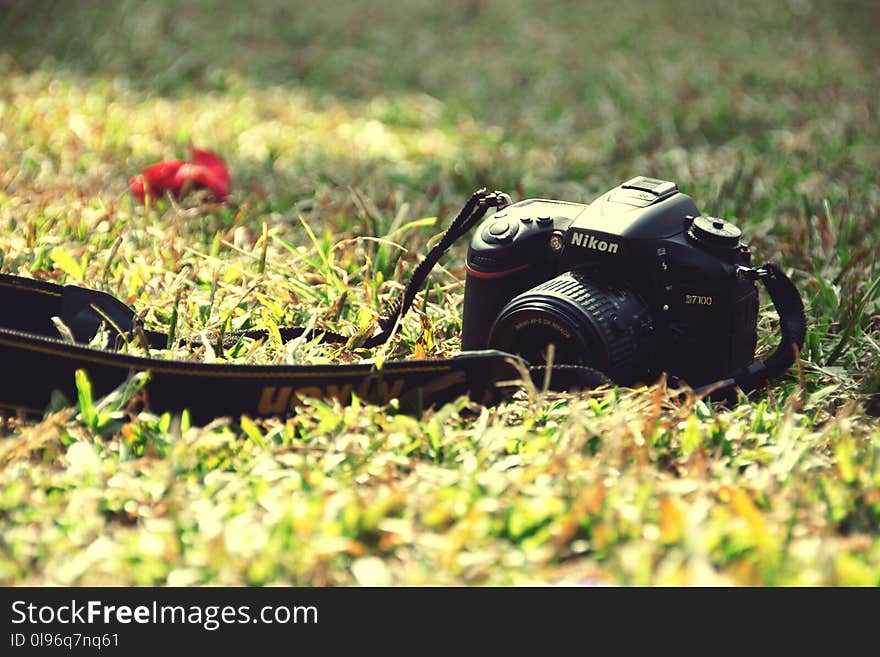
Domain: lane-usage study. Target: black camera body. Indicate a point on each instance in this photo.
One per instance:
(634, 284)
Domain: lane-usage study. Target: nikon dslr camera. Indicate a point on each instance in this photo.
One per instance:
(637, 283)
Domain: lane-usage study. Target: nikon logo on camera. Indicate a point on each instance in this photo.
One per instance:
(588, 241)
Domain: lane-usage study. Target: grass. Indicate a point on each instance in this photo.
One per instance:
(353, 135)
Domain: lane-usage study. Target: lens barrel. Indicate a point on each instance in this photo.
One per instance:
(603, 325)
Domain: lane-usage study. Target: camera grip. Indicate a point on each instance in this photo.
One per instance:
(483, 300)
(486, 293)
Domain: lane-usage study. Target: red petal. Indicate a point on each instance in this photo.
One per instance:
(203, 177)
(136, 184)
(162, 173)
(157, 179)
(213, 163)
(207, 169)
(211, 160)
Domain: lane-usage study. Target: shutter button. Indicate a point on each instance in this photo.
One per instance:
(500, 231)
(499, 227)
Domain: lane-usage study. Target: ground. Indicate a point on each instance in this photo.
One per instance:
(353, 134)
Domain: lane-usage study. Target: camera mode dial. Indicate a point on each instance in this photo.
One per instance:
(714, 232)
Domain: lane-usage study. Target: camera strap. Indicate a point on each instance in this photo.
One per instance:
(46, 329)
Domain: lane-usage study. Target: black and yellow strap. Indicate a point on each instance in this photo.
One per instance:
(36, 362)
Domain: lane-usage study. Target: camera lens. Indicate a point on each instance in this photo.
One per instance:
(600, 324)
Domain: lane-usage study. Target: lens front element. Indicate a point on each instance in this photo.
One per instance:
(602, 325)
